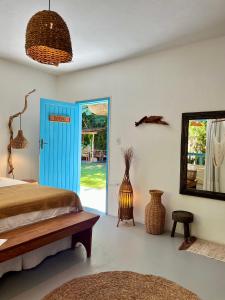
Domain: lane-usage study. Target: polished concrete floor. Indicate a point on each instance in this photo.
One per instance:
(123, 248)
(93, 198)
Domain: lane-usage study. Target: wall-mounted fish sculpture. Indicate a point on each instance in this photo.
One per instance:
(151, 120)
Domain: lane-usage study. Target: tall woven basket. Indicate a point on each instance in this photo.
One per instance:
(155, 213)
(125, 210)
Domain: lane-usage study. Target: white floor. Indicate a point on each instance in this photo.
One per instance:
(123, 248)
(93, 198)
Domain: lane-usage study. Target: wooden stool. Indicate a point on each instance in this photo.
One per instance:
(184, 217)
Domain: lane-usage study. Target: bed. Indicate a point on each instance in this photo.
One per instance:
(22, 204)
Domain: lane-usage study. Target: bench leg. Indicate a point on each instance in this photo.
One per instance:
(85, 238)
(173, 229)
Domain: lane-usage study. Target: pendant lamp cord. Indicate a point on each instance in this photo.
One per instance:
(49, 4)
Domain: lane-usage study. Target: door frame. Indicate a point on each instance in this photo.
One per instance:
(96, 101)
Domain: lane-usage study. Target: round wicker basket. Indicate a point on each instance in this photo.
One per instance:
(48, 39)
(191, 174)
(155, 213)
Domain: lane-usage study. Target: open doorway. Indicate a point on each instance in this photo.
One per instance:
(94, 154)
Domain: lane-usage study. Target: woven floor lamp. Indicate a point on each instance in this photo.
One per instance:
(125, 210)
(48, 38)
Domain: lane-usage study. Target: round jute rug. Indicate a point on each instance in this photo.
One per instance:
(120, 286)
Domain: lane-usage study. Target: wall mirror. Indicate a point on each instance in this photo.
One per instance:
(202, 170)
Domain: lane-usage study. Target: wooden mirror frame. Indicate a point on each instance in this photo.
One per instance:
(184, 152)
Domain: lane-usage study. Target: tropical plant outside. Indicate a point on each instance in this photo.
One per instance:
(197, 140)
(91, 121)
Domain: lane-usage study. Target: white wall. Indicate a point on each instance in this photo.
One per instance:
(190, 78)
(15, 82)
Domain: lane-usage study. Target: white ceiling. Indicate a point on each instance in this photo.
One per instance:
(104, 31)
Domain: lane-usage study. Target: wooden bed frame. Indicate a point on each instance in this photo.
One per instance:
(27, 238)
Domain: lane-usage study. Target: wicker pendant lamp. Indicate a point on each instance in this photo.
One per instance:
(19, 142)
(48, 38)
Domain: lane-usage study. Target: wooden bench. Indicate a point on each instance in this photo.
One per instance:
(24, 239)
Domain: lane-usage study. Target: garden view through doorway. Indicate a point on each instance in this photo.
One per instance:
(94, 150)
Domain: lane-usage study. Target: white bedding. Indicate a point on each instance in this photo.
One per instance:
(4, 181)
(32, 258)
(29, 218)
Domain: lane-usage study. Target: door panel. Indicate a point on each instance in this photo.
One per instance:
(59, 145)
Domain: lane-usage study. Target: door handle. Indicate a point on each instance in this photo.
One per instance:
(42, 143)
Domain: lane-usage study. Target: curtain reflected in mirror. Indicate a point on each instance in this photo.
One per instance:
(206, 152)
(203, 154)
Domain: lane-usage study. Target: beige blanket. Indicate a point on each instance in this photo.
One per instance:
(26, 198)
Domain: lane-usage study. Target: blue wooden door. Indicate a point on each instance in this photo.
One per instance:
(60, 138)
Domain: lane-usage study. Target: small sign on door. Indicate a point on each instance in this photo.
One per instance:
(61, 119)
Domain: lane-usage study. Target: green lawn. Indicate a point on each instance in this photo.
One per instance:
(93, 175)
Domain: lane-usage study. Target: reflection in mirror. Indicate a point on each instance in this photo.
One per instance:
(206, 155)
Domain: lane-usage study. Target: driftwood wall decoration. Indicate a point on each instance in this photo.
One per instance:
(11, 118)
(152, 120)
